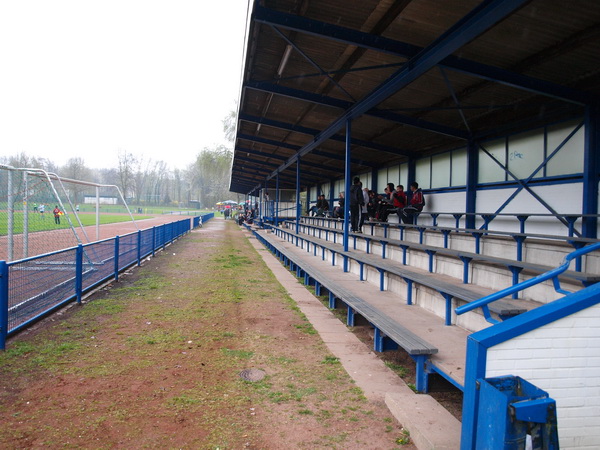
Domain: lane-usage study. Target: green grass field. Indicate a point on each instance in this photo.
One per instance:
(37, 222)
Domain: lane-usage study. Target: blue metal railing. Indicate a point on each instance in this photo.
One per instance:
(34, 287)
(551, 274)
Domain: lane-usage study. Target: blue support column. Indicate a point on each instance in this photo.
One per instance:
(139, 248)
(154, 241)
(3, 304)
(116, 266)
(79, 272)
(332, 300)
(347, 183)
(381, 279)
(409, 290)
(591, 169)
(298, 207)
(350, 317)
(422, 377)
(471, 192)
(448, 318)
(277, 200)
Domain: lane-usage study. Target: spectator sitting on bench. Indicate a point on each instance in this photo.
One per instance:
(399, 200)
(338, 211)
(372, 205)
(385, 205)
(321, 208)
(416, 204)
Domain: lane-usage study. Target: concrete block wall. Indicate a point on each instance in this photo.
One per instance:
(562, 358)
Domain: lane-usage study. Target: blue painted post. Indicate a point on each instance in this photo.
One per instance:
(383, 248)
(446, 233)
(591, 167)
(422, 378)
(332, 301)
(350, 317)
(404, 249)
(347, 182)
(277, 200)
(139, 248)
(79, 272)
(116, 258)
(466, 260)
(448, 320)
(471, 193)
(298, 207)
(431, 254)
(153, 240)
(3, 304)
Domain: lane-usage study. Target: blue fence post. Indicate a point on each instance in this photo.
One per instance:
(139, 248)
(116, 258)
(79, 272)
(153, 240)
(3, 304)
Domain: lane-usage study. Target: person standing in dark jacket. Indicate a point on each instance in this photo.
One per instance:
(356, 202)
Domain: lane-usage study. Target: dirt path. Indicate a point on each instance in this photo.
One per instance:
(155, 360)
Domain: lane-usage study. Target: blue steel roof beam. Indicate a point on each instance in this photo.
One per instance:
(305, 163)
(274, 143)
(296, 148)
(277, 124)
(250, 174)
(252, 180)
(257, 153)
(379, 43)
(468, 28)
(256, 161)
(313, 132)
(342, 104)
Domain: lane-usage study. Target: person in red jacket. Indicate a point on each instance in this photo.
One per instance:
(416, 204)
(399, 200)
(57, 213)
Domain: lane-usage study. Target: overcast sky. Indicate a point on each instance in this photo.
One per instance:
(89, 78)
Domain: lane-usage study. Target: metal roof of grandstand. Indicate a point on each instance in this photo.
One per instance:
(416, 77)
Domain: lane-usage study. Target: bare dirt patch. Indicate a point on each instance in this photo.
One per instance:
(155, 361)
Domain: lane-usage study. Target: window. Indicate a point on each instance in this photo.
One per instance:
(489, 170)
(440, 170)
(459, 167)
(423, 173)
(525, 154)
(569, 158)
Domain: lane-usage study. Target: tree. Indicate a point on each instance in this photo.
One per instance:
(229, 124)
(126, 171)
(209, 175)
(76, 170)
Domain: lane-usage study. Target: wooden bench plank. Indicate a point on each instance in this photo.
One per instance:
(409, 341)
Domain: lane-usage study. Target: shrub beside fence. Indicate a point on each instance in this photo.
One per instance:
(33, 288)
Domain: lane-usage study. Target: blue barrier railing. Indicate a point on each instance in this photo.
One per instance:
(550, 275)
(34, 287)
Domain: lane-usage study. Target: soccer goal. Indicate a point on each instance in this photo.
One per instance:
(41, 212)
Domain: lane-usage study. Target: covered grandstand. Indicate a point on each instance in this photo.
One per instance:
(493, 108)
